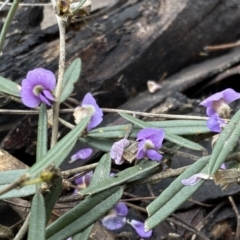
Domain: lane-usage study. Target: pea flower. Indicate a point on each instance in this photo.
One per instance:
(89, 107)
(83, 181)
(37, 87)
(194, 179)
(218, 102)
(117, 150)
(82, 154)
(215, 123)
(139, 227)
(116, 217)
(150, 141)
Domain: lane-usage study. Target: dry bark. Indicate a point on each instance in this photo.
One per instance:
(134, 42)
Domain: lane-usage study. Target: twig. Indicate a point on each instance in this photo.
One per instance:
(207, 218)
(191, 229)
(15, 184)
(71, 172)
(61, 69)
(27, 4)
(4, 4)
(237, 236)
(21, 233)
(7, 23)
(221, 46)
(141, 209)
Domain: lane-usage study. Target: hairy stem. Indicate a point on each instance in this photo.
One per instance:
(61, 69)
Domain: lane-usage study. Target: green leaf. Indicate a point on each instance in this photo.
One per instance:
(9, 87)
(102, 170)
(70, 77)
(42, 132)
(52, 196)
(122, 177)
(169, 136)
(101, 144)
(121, 133)
(59, 152)
(37, 218)
(8, 177)
(84, 235)
(175, 194)
(22, 192)
(84, 214)
(226, 142)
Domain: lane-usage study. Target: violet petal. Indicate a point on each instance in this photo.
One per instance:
(82, 154)
(139, 227)
(121, 209)
(117, 150)
(154, 155)
(97, 117)
(194, 179)
(215, 123)
(113, 221)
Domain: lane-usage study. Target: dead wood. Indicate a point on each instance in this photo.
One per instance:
(135, 42)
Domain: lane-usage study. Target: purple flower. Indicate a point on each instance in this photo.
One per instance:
(82, 154)
(215, 123)
(219, 100)
(139, 227)
(37, 87)
(117, 150)
(116, 217)
(150, 142)
(223, 166)
(89, 107)
(194, 179)
(84, 181)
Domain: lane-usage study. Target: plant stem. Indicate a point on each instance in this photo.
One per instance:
(8, 22)
(61, 69)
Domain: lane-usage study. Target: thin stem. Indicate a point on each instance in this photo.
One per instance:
(15, 184)
(8, 22)
(237, 235)
(61, 69)
(71, 172)
(23, 229)
(222, 46)
(27, 4)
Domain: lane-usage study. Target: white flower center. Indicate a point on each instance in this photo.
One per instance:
(37, 90)
(148, 145)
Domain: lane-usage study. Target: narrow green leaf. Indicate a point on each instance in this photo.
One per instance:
(99, 143)
(122, 177)
(169, 136)
(102, 170)
(173, 203)
(37, 218)
(175, 130)
(59, 152)
(84, 214)
(42, 132)
(71, 76)
(9, 87)
(22, 192)
(52, 196)
(227, 140)
(84, 235)
(176, 186)
(8, 177)
(157, 124)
